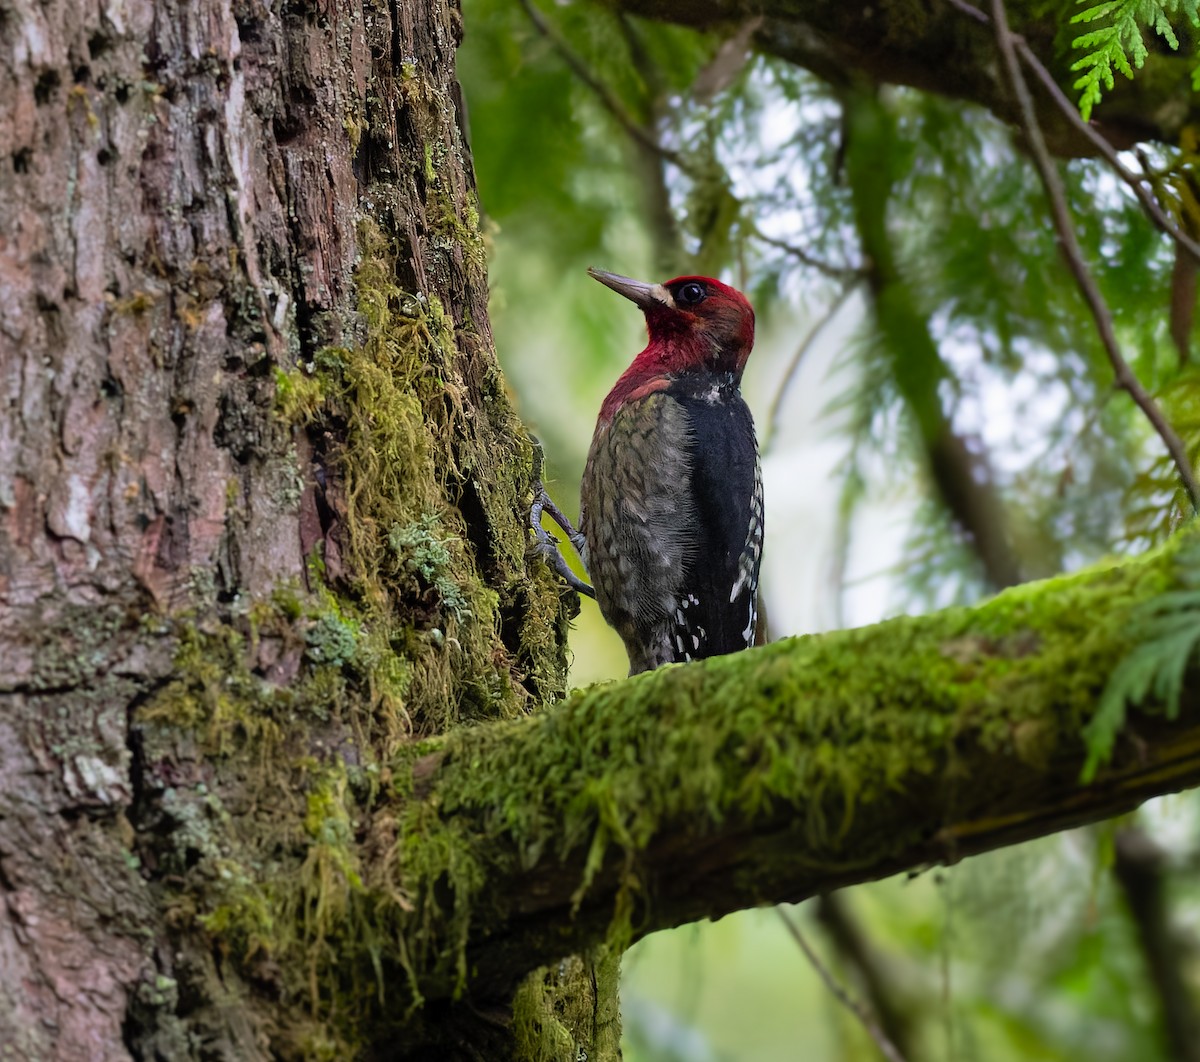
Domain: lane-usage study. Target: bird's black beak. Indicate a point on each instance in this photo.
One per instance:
(636, 291)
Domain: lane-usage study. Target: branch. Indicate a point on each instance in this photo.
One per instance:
(864, 1016)
(771, 420)
(780, 773)
(961, 479)
(669, 254)
(603, 93)
(932, 48)
(830, 269)
(890, 996)
(1104, 149)
(1061, 215)
(1139, 868)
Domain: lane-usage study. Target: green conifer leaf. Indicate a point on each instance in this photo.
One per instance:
(1168, 632)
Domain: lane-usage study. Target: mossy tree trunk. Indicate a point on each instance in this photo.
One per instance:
(260, 497)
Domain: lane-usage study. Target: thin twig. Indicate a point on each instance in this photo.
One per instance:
(1069, 245)
(886, 1047)
(669, 253)
(897, 1002)
(1140, 868)
(1069, 111)
(772, 418)
(606, 96)
(837, 272)
(731, 58)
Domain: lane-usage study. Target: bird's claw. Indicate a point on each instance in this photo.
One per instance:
(547, 546)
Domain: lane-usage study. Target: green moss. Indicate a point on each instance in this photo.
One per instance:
(413, 581)
(568, 1011)
(298, 395)
(441, 873)
(213, 691)
(355, 126)
(243, 917)
(834, 726)
(309, 913)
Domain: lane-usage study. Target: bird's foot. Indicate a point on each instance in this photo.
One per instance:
(547, 545)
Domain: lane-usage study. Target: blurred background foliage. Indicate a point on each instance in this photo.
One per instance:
(601, 139)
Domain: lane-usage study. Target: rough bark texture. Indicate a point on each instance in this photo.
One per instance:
(245, 356)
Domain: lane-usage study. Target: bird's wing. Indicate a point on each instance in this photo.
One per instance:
(721, 572)
(672, 514)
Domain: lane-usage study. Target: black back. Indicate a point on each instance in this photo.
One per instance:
(727, 492)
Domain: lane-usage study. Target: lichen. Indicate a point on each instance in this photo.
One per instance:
(298, 396)
(312, 869)
(332, 640)
(419, 549)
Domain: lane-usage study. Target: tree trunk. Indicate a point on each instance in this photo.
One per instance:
(260, 497)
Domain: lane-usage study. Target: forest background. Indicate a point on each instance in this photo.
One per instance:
(609, 140)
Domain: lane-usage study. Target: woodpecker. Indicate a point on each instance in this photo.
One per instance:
(671, 507)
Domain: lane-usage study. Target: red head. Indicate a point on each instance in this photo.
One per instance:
(696, 324)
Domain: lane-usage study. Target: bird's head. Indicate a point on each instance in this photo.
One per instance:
(695, 323)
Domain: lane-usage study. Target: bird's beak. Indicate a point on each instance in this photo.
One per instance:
(636, 291)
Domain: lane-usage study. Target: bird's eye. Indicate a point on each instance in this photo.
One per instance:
(691, 294)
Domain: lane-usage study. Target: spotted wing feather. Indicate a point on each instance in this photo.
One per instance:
(636, 512)
(672, 513)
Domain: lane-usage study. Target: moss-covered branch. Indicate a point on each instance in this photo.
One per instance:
(937, 48)
(787, 771)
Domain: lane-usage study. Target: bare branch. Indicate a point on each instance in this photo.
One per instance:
(1103, 148)
(829, 269)
(1140, 870)
(864, 1016)
(669, 254)
(771, 420)
(608, 99)
(893, 998)
(724, 68)
(1069, 245)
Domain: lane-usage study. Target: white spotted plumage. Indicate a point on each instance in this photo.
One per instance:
(671, 500)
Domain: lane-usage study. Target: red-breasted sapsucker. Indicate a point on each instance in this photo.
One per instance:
(671, 501)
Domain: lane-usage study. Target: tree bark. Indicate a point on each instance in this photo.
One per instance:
(260, 497)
